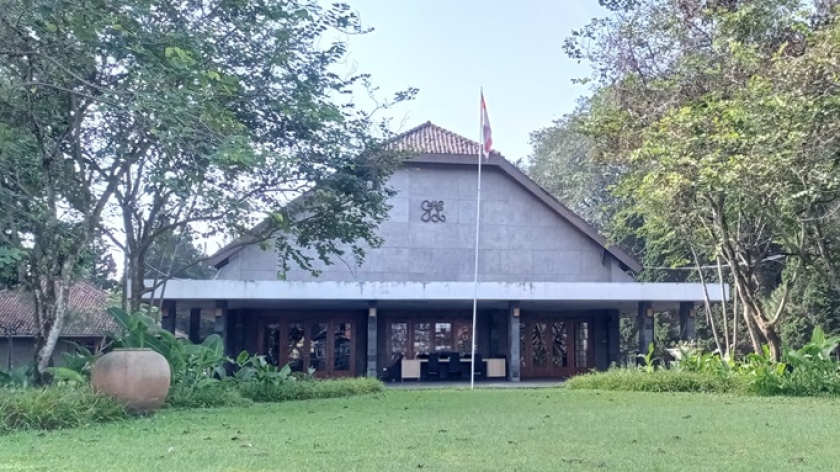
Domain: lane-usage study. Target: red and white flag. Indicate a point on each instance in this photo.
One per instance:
(486, 134)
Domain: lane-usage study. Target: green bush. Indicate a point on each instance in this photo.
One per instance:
(17, 377)
(213, 395)
(636, 380)
(309, 389)
(55, 407)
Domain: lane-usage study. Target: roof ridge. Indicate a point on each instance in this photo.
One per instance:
(412, 130)
(429, 138)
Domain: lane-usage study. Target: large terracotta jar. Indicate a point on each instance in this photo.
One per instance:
(137, 378)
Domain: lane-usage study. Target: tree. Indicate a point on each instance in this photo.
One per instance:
(176, 255)
(176, 117)
(562, 163)
(98, 265)
(727, 163)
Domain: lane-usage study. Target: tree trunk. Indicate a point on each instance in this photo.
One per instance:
(50, 311)
(756, 345)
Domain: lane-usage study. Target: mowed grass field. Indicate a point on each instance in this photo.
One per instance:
(456, 430)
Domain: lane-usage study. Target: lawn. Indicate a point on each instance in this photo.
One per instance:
(499, 430)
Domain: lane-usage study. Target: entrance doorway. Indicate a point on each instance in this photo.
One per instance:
(555, 347)
(327, 347)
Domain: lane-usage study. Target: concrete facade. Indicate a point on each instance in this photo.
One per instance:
(550, 294)
(522, 239)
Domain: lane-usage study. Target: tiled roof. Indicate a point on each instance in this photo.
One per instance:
(430, 138)
(86, 312)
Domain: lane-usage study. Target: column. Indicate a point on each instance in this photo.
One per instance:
(513, 358)
(372, 338)
(170, 316)
(645, 320)
(220, 325)
(240, 332)
(613, 336)
(687, 329)
(195, 325)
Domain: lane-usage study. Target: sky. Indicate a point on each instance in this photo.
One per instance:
(449, 49)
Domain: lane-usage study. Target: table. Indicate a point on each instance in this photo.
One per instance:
(411, 368)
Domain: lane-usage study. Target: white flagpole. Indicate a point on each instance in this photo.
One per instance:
(477, 229)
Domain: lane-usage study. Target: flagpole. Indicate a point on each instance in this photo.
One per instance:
(477, 230)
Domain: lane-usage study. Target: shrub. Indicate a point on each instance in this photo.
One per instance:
(17, 377)
(636, 380)
(214, 395)
(309, 389)
(55, 407)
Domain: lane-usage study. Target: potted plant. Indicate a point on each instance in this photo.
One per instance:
(135, 372)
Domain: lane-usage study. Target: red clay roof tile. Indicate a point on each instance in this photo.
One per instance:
(86, 312)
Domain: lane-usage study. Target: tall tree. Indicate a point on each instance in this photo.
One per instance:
(726, 163)
(172, 113)
(562, 163)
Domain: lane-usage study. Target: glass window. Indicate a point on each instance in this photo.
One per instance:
(398, 341)
(463, 339)
(318, 347)
(539, 346)
(443, 337)
(559, 351)
(295, 347)
(582, 345)
(422, 338)
(343, 346)
(272, 344)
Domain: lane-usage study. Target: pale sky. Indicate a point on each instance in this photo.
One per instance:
(450, 48)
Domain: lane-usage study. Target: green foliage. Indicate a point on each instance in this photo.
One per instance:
(808, 371)
(561, 162)
(55, 407)
(256, 369)
(17, 377)
(194, 367)
(76, 364)
(648, 360)
(180, 117)
(723, 123)
(211, 395)
(662, 380)
(309, 389)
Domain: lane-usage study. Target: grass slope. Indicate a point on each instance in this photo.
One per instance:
(493, 430)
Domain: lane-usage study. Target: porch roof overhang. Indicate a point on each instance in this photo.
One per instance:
(535, 293)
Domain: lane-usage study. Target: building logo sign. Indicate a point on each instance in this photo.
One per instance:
(432, 211)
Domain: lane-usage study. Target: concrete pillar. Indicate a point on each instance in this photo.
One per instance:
(195, 325)
(240, 332)
(688, 331)
(513, 358)
(170, 316)
(645, 318)
(220, 325)
(372, 341)
(613, 336)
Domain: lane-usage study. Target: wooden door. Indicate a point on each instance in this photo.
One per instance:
(326, 346)
(554, 347)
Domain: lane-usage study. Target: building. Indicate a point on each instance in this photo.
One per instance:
(550, 293)
(87, 324)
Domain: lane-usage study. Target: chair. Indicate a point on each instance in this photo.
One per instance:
(480, 366)
(394, 371)
(454, 368)
(433, 367)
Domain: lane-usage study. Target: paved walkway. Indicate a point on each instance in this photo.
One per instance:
(413, 384)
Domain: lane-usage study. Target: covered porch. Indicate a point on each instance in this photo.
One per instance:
(406, 331)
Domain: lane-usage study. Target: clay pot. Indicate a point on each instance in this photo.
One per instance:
(137, 378)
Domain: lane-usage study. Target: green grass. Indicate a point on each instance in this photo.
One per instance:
(493, 430)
